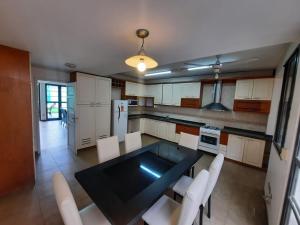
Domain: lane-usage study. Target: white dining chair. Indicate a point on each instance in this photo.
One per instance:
(182, 185)
(108, 148)
(133, 141)
(166, 211)
(90, 215)
(189, 141)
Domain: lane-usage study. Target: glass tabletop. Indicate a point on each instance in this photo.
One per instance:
(124, 187)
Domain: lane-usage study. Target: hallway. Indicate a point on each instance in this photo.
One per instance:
(53, 135)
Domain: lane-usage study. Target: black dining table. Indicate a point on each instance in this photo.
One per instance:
(125, 187)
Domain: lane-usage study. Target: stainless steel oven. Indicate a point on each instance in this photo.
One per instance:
(209, 139)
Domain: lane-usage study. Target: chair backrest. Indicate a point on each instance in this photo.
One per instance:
(108, 148)
(189, 140)
(214, 172)
(65, 201)
(193, 198)
(133, 141)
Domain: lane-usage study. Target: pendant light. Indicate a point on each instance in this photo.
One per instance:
(141, 61)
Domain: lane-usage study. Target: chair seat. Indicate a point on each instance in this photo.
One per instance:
(182, 185)
(91, 215)
(165, 211)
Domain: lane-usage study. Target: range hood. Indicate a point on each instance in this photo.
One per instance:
(216, 105)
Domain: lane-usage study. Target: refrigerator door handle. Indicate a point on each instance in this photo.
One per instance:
(119, 113)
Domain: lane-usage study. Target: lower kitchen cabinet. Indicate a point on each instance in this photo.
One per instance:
(86, 126)
(160, 129)
(254, 152)
(247, 150)
(235, 148)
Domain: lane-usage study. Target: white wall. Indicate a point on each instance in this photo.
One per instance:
(43, 74)
(278, 170)
(42, 101)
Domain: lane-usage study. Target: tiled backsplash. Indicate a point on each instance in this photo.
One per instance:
(251, 121)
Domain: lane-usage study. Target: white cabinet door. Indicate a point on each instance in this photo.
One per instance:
(243, 89)
(235, 147)
(171, 132)
(262, 89)
(254, 152)
(162, 130)
(167, 94)
(86, 126)
(140, 90)
(177, 93)
(103, 91)
(157, 93)
(131, 89)
(190, 90)
(85, 88)
(142, 125)
(147, 126)
(102, 121)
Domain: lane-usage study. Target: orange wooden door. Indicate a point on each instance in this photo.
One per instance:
(16, 149)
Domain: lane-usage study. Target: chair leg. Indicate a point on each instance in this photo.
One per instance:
(193, 168)
(209, 207)
(201, 215)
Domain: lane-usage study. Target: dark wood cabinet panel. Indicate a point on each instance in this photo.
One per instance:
(190, 102)
(257, 106)
(187, 129)
(17, 160)
(224, 138)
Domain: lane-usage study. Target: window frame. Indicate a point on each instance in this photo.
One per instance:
(59, 101)
(287, 67)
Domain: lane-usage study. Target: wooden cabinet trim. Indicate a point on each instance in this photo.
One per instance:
(190, 102)
(187, 129)
(257, 106)
(224, 138)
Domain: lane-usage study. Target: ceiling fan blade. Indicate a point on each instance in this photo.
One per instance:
(241, 61)
(196, 64)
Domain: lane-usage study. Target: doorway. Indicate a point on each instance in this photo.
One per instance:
(53, 130)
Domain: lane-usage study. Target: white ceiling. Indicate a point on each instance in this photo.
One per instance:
(97, 35)
(248, 60)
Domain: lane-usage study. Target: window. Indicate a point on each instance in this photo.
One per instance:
(56, 101)
(286, 98)
(291, 210)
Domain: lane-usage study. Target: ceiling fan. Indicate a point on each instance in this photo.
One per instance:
(217, 66)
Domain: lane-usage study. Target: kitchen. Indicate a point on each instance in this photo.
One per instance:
(169, 112)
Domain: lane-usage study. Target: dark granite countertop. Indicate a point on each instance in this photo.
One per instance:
(166, 119)
(247, 133)
(229, 130)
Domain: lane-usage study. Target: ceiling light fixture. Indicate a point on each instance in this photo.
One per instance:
(158, 73)
(199, 68)
(141, 61)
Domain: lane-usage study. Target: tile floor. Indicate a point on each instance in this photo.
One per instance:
(236, 199)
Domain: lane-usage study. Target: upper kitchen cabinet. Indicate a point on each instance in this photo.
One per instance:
(85, 86)
(190, 90)
(243, 89)
(253, 95)
(178, 90)
(103, 91)
(134, 89)
(92, 90)
(154, 90)
(254, 89)
(262, 89)
(167, 94)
